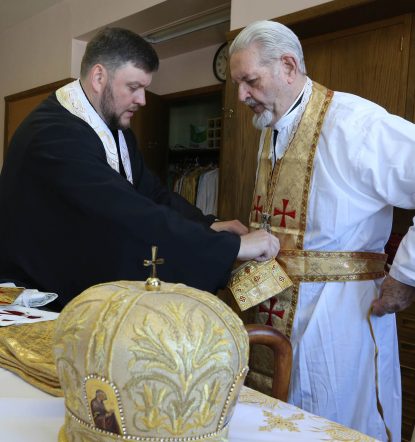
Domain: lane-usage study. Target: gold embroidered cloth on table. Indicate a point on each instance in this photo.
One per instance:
(257, 418)
(26, 350)
(263, 418)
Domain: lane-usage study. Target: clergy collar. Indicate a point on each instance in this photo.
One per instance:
(296, 108)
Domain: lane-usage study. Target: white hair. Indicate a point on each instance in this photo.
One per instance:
(273, 39)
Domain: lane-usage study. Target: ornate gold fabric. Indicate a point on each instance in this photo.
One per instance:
(252, 282)
(313, 266)
(286, 422)
(137, 365)
(282, 192)
(378, 403)
(72, 97)
(189, 186)
(26, 350)
(9, 294)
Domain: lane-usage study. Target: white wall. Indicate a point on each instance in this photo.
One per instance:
(78, 49)
(245, 11)
(88, 15)
(39, 50)
(194, 69)
(187, 71)
(44, 49)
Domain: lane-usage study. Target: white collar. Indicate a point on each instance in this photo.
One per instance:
(287, 125)
(291, 116)
(72, 97)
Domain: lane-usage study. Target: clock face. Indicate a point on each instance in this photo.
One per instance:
(220, 62)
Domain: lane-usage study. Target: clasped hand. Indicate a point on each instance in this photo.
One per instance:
(258, 245)
(394, 297)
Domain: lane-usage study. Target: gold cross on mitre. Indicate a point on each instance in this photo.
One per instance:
(153, 283)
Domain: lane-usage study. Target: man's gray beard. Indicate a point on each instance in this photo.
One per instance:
(262, 120)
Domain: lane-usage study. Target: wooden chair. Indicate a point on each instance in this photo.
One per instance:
(281, 346)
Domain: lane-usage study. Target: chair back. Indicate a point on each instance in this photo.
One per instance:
(281, 347)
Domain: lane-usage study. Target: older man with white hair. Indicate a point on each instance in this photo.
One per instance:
(331, 166)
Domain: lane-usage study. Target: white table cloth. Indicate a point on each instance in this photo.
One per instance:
(30, 415)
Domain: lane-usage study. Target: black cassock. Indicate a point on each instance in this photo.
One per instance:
(69, 221)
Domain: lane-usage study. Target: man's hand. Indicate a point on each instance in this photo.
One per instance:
(233, 226)
(258, 245)
(394, 297)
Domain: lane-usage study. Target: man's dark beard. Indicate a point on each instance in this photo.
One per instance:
(107, 109)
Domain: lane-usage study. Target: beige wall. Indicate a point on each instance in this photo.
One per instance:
(246, 11)
(44, 49)
(187, 71)
(39, 50)
(195, 69)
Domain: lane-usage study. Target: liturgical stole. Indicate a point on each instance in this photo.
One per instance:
(281, 199)
(73, 99)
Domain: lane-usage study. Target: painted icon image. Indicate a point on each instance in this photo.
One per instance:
(104, 408)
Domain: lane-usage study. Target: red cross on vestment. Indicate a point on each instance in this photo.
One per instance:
(284, 213)
(270, 310)
(257, 208)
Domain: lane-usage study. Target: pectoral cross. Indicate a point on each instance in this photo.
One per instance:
(153, 283)
(265, 222)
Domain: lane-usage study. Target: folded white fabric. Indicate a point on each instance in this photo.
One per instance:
(30, 297)
(18, 305)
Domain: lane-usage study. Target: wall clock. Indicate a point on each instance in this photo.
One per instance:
(220, 62)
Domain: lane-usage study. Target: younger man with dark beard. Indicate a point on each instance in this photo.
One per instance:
(79, 206)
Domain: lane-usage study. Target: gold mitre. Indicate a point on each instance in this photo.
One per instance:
(254, 282)
(142, 365)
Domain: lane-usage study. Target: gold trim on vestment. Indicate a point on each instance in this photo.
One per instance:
(378, 403)
(283, 192)
(284, 189)
(252, 282)
(315, 266)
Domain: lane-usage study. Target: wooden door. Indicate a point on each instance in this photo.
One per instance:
(18, 106)
(238, 158)
(370, 61)
(150, 126)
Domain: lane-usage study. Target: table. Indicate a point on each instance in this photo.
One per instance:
(30, 415)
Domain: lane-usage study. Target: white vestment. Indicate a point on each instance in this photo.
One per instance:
(364, 165)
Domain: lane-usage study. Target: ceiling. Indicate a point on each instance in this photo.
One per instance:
(161, 16)
(171, 12)
(13, 12)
